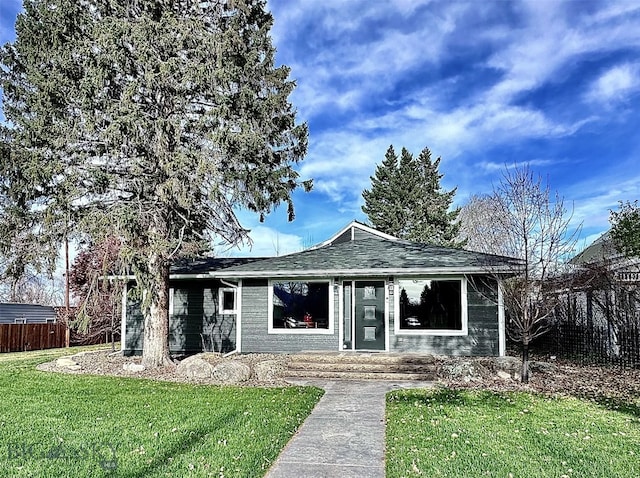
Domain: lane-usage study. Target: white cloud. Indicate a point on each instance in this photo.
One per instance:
(616, 83)
(266, 242)
(594, 198)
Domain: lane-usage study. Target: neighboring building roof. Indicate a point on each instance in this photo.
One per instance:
(369, 256)
(603, 255)
(601, 250)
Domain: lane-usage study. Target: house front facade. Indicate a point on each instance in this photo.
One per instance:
(361, 290)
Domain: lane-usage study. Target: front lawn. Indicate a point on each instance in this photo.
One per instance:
(77, 425)
(456, 433)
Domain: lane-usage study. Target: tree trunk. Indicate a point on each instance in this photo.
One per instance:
(155, 349)
(524, 373)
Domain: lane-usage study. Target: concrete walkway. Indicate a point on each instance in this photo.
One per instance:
(344, 435)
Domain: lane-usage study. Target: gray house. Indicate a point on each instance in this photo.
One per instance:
(12, 313)
(361, 290)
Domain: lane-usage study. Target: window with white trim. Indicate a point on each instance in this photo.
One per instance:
(227, 300)
(431, 306)
(297, 305)
(20, 321)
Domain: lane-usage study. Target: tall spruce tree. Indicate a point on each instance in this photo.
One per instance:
(151, 121)
(382, 203)
(406, 200)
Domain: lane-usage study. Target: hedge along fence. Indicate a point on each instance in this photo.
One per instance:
(21, 337)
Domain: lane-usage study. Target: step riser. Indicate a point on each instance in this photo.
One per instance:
(359, 375)
(365, 358)
(362, 367)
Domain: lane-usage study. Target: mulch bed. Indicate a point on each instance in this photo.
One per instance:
(584, 381)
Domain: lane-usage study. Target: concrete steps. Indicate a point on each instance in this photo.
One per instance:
(361, 366)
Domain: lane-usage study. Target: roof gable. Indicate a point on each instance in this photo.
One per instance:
(355, 231)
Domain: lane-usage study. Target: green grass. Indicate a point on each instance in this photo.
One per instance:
(439, 433)
(55, 425)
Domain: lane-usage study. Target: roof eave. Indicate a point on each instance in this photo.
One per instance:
(366, 272)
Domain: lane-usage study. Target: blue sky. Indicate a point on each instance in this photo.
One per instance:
(482, 84)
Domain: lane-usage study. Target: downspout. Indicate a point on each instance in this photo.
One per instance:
(238, 326)
(123, 320)
(502, 339)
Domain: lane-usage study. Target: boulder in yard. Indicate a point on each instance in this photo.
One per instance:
(268, 370)
(67, 363)
(195, 367)
(508, 364)
(232, 371)
(133, 367)
(543, 367)
(464, 370)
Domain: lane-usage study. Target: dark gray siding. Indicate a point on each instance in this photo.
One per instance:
(482, 339)
(32, 313)
(135, 325)
(357, 235)
(255, 325)
(195, 324)
(344, 237)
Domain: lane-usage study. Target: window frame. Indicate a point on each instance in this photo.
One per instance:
(221, 292)
(295, 331)
(464, 310)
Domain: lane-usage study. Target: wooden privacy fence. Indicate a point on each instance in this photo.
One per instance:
(21, 337)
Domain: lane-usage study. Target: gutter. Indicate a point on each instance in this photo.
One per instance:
(362, 272)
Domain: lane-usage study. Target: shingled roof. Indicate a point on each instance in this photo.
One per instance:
(374, 257)
(206, 265)
(600, 251)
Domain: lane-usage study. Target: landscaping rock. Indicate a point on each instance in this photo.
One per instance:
(133, 367)
(195, 367)
(467, 371)
(268, 370)
(68, 363)
(543, 367)
(232, 371)
(507, 364)
(504, 375)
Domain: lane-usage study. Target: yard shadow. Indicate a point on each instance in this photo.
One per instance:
(621, 405)
(192, 438)
(453, 397)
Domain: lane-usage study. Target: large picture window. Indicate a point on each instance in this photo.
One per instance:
(299, 305)
(431, 305)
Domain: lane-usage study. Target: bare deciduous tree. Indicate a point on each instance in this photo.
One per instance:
(522, 218)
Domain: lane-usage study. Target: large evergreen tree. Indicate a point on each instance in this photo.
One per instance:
(406, 200)
(382, 201)
(151, 121)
